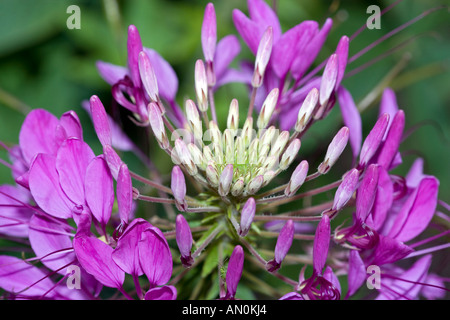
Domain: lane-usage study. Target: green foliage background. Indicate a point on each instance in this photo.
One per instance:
(43, 64)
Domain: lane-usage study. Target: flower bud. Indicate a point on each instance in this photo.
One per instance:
(226, 178)
(247, 215)
(124, 193)
(335, 149)
(194, 120)
(178, 186)
(101, 122)
(262, 57)
(373, 140)
(238, 187)
(282, 247)
(197, 156)
(297, 179)
(184, 240)
(307, 109)
(321, 244)
(290, 154)
(279, 144)
(209, 39)
(185, 157)
(201, 86)
(365, 195)
(212, 176)
(234, 271)
(157, 125)
(346, 189)
(328, 80)
(256, 184)
(148, 76)
(267, 108)
(233, 115)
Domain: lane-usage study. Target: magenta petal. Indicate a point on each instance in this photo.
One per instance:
(72, 160)
(283, 51)
(373, 139)
(392, 142)
(16, 218)
(47, 238)
(227, 49)
(365, 195)
(45, 187)
(165, 75)
(356, 272)
(412, 220)
(292, 296)
(126, 253)
(99, 189)
(110, 72)
(37, 134)
(408, 289)
(383, 199)
(415, 174)
(389, 250)
(100, 120)
(17, 275)
(95, 257)
(209, 32)
(124, 193)
(261, 13)
(388, 104)
(248, 29)
(234, 271)
(134, 46)
(113, 160)
(321, 244)
(342, 53)
(329, 275)
(155, 256)
(71, 124)
(161, 293)
(351, 118)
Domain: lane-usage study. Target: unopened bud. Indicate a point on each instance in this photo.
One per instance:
(290, 154)
(157, 125)
(328, 81)
(282, 247)
(306, 110)
(212, 176)
(184, 240)
(346, 189)
(335, 149)
(100, 120)
(197, 156)
(267, 108)
(373, 140)
(226, 178)
(233, 115)
(148, 76)
(262, 57)
(178, 186)
(238, 187)
(247, 215)
(194, 120)
(185, 157)
(297, 179)
(280, 143)
(256, 184)
(201, 86)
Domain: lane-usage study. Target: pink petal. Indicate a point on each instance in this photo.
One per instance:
(99, 189)
(72, 160)
(162, 293)
(261, 13)
(227, 49)
(95, 257)
(356, 272)
(37, 134)
(383, 199)
(321, 244)
(248, 29)
(15, 218)
(71, 124)
(110, 72)
(45, 187)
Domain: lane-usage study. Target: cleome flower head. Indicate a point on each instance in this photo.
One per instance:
(241, 199)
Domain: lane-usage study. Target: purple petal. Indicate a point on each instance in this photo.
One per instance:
(227, 49)
(47, 238)
(95, 257)
(383, 199)
(365, 195)
(356, 272)
(342, 53)
(234, 271)
(417, 212)
(162, 293)
(71, 124)
(183, 236)
(263, 15)
(37, 134)
(165, 75)
(388, 105)
(321, 244)
(209, 32)
(248, 29)
(408, 289)
(415, 174)
(45, 187)
(124, 193)
(99, 189)
(134, 46)
(392, 142)
(292, 296)
(113, 160)
(72, 160)
(329, 275)
(155, 256)
(351, 118)
(389, 250)
(346, 189)
(283, 52)
(15, 218)
(100, 120)
(126, 253)
(110, 72)
(17, 275)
